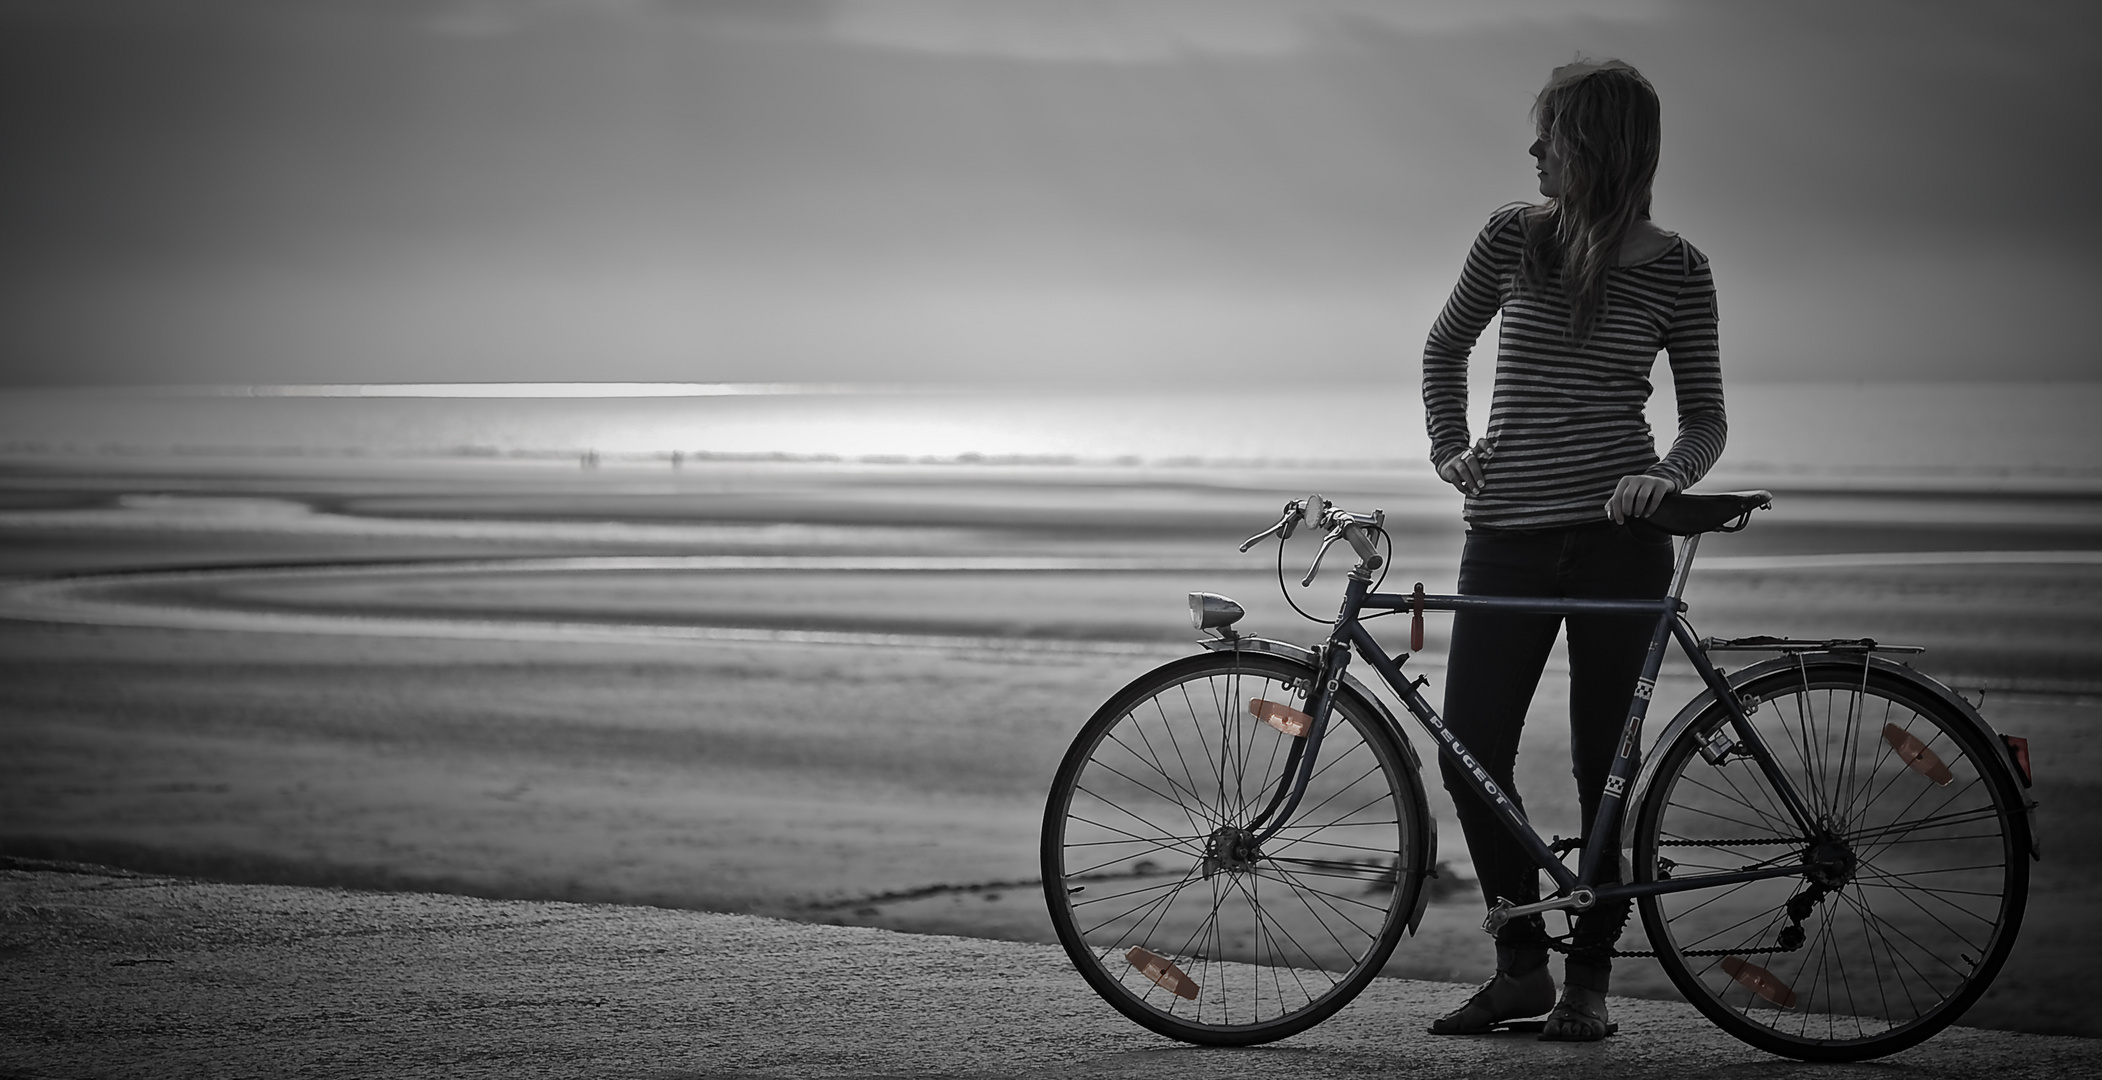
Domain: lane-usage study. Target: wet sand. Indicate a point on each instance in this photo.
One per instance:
(418, 695)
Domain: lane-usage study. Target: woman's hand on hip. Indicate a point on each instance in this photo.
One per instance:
(1636, 497)
(1463, 471)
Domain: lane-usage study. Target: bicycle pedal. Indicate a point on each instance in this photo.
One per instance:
(1759, 981)
(1915, 754)
(1163, 971)
(1282, 717)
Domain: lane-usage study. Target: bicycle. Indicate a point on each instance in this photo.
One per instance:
(1829, 850)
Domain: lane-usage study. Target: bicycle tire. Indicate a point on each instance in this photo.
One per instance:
(1264, 944)
(1923, 860)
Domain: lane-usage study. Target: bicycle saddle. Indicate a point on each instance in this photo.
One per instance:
(1685, 515)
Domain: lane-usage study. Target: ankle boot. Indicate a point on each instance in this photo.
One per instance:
(1520, 988)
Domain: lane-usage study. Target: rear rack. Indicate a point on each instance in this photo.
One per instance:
(1765, 643)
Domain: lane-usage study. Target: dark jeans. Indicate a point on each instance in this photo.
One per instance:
(1495, 665)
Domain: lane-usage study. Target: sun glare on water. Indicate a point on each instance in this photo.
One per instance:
(514, 390)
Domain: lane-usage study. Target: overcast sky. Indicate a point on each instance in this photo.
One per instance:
(899, 190)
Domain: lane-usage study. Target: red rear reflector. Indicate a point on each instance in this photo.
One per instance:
(2018, 748)
(1282, 717)
(1914, 753)
(1759, 981)
(1163, 971)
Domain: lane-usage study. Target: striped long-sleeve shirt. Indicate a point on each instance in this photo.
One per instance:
(1566, 421)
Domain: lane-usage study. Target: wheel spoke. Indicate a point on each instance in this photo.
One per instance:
(1209, 820)
(1165, 841)
(1300, 893)
(1152, 760)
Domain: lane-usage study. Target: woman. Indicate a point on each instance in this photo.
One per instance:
(1590, 291)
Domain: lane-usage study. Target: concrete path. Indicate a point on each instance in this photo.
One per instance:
(111, 975)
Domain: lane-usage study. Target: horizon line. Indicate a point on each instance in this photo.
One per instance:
(637, 389)
(473, 389)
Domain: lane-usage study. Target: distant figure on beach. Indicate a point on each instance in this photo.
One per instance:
(1590, 291)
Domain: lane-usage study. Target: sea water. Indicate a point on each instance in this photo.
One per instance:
(2023, 436)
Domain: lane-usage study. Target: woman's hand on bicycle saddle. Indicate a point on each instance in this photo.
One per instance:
(1638, 497)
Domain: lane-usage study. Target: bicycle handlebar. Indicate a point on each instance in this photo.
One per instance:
(1341, 524)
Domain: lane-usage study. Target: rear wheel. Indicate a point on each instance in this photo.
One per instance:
(1915, 871)
(1156, 884)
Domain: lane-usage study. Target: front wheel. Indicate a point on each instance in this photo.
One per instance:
(1915, 869)
(1156, 883)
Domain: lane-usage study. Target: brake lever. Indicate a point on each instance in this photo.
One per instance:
(1282, 530)
(1319, 555)
(1266, 534)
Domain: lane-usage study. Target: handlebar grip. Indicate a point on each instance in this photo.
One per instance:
(1359, 540)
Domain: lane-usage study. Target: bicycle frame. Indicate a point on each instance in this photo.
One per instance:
(1348, 634)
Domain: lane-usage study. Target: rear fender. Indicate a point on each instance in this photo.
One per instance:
(1843, 662)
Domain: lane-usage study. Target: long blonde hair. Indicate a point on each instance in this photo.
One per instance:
(1603, 121)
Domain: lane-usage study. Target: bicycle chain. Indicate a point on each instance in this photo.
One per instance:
(1723, 843)
(1561, 946)
(1557, 945)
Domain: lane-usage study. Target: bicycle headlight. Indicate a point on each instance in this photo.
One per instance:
(1210, 611)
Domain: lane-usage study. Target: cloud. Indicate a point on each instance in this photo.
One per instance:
(884, 189)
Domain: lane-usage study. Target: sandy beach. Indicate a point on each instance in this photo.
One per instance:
(830, 692)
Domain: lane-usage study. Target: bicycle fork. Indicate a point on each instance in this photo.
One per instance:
(1299, 759)
(1331, 659)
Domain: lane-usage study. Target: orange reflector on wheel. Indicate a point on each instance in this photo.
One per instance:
(1914, 753)
(1759, 981)
(1282, 717)
(1163, 971)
